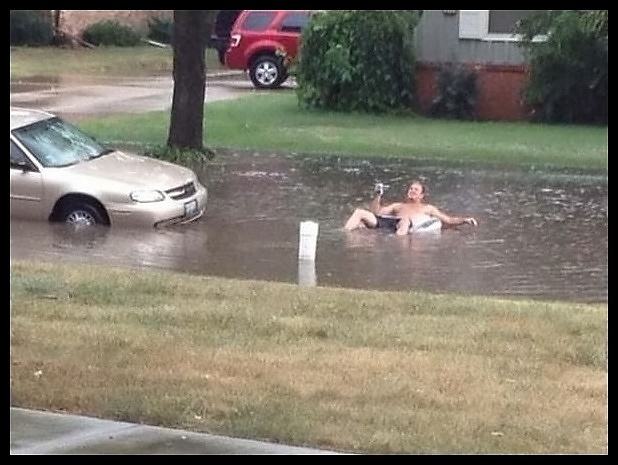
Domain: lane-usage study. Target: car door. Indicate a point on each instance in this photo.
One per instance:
(289, 30)
(26, 186)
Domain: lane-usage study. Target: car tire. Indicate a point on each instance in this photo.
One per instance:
(267, 72)
(82, 214)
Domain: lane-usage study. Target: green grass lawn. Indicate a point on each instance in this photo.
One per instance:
(102, 61)
(352, 370)
(275, 122)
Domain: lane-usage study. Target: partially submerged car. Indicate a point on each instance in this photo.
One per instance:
(58, 173)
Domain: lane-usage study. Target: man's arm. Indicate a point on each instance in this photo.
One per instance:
(378, 209)
(451, 220)
(374, 206)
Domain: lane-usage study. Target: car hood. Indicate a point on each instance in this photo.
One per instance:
(135, 170)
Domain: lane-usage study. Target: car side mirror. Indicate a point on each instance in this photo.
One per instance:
(23, 165)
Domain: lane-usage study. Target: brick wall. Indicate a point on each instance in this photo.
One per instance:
(499, 90)
(75, 21)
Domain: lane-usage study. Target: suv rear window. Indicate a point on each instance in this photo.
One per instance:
(294, 22)
(258, 20)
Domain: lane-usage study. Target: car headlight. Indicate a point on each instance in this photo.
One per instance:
(147, 196)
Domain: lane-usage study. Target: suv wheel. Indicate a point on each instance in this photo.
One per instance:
(82, 214)
(266, 72)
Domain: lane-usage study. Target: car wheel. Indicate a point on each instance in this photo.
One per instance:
(82, 214)
(266, 72)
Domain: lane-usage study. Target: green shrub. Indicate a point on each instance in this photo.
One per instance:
(111, 33)
(568, 72)
(161, 29)
(358, 61)
(31, 27)
(457, 93)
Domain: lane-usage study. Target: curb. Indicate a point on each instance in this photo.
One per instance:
(225, 73)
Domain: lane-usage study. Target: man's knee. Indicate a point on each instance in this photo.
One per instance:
(370, 219)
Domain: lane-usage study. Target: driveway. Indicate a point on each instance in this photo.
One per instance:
(76, 97)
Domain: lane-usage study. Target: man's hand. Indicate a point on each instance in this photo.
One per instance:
(379, 189)
(471, 221)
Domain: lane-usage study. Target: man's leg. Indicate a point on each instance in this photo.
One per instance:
(403, 226)
(361, 218)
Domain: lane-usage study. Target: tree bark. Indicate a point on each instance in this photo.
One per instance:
(191, 31)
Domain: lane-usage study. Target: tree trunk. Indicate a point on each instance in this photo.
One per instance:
(191, 31)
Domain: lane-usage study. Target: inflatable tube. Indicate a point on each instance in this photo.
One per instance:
(426, 225)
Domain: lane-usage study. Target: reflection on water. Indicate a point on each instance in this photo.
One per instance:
(306, 273)
(542, 236)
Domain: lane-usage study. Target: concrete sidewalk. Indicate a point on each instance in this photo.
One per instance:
(38, 432)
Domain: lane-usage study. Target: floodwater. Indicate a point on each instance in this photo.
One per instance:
(540, 235)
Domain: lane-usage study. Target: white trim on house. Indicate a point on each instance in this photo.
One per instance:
(474, 24)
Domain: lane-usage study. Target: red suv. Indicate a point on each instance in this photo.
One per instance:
(258, 37)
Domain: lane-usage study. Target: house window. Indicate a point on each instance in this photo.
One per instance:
(504, 21)
(492, 25)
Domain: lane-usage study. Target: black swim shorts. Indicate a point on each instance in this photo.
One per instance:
(387, 222)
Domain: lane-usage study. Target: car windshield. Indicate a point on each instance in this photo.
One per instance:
(56, 143)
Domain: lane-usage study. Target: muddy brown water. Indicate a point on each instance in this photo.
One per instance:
(541, 235)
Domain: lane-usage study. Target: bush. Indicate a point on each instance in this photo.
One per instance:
(111, 33)
(568, 72)
(31, 27)
(161, 30)
(457, 93)
(358, 60)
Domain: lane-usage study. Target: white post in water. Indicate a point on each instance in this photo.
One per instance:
(308, 240)
(307, 245)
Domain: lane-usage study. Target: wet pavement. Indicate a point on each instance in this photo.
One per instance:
(37, 432)
(541, 235)
(77, 97)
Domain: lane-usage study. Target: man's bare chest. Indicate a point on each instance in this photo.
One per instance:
(407, 209)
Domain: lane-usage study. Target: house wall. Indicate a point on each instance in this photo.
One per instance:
(75, 21)
(437, 41)
(500, 67)
(499, 90)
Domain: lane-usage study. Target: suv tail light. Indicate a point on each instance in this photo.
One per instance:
(234, 40)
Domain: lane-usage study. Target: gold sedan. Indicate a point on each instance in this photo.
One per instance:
(60, 174)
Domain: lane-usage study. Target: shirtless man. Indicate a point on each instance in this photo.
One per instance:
(401, 216)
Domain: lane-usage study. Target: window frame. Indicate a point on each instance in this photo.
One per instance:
(31, 166)
(294, 31)
(468, 30)
(263, 13)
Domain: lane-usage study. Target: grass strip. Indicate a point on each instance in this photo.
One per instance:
(101, 61)
(275, 122)
(363, 371)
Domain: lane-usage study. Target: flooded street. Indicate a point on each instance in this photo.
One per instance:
(540, 235)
